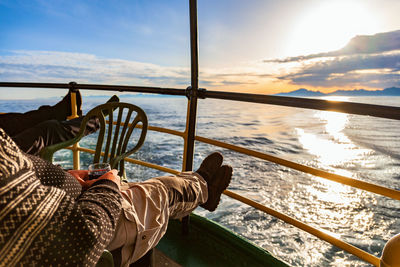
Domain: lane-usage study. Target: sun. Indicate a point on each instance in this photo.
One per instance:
(329, 25)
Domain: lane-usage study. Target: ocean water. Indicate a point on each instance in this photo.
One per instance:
(356, 146)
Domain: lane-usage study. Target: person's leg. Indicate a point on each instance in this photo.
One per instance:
(149, 205)
(51, 132)
(15, 123)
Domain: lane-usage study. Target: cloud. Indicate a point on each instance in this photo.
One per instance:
(54, 66)
(361, 44)
(211, 83)
(361, 70)
(372, 61)
(49, 66)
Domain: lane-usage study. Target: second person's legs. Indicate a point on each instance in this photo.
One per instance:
(51, 132)
(15, 123)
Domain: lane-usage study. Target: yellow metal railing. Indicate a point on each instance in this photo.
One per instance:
(74, 108)
(135, 161)
(74, 114)
(395, 194)
(312, 230)
(309, 229)
(381, 190)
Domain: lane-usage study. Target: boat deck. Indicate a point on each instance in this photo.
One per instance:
(209, 244)
(160, 259)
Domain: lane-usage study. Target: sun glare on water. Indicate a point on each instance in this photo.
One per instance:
(329, 26)
(334, 147)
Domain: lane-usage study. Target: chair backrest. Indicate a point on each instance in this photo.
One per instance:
(114, 134)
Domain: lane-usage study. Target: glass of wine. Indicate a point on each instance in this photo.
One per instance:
(98, 169)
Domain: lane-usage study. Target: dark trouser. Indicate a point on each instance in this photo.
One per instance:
(34, 130)
(15, 123)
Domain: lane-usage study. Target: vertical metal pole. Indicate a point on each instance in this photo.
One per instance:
(74, 109)
(74, 114)
(192, 104)
(76, 156)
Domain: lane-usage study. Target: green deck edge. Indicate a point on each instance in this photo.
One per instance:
(210, 244)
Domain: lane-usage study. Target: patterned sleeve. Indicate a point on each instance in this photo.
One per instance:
(89, 227)
(93, 218)
(52, 175)
(43, 225)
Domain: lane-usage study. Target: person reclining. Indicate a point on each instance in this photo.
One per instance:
(48, 125)
(52, 217)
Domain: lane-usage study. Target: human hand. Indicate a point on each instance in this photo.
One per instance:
(80, 175)
(83, 177)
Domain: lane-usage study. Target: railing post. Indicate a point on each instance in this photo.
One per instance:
(192, 100)
(74, 114)
(74, 109)
(76, 156)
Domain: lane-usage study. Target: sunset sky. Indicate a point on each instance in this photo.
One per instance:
(255, 46)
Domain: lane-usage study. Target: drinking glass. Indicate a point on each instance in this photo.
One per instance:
(98, 169)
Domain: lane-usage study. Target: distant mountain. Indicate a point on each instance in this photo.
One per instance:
(130, 95)
(392, 91)
(146, 95)
(302, 92)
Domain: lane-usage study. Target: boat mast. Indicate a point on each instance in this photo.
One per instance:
(192, 95)
(192, 91)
